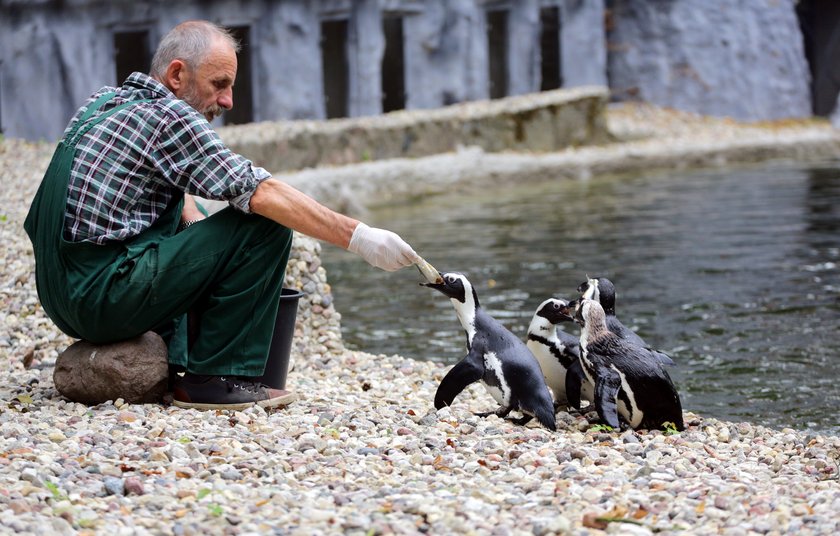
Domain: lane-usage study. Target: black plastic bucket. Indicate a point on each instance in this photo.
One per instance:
(277, 366)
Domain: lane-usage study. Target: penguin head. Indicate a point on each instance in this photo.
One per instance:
(590, 313)
(556, 310)
(601, 290)
(455, 286)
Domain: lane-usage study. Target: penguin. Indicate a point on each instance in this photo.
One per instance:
(556, 351)
(630, 381)
(496, 357)
(602, 291)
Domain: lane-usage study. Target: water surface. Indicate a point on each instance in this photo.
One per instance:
(734, 273)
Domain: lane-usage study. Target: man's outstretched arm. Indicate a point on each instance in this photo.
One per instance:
(294, 209)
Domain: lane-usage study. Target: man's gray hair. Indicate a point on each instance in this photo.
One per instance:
(189, 42)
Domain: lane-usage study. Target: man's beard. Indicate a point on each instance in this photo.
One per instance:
(190, 97)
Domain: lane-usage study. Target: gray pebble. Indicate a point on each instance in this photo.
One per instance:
(114, 486)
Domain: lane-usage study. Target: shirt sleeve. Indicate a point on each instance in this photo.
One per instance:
(192, 157)
(243, 202)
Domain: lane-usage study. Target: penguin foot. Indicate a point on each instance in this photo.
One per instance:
(561, 407)
(521, 421)
(502, 412)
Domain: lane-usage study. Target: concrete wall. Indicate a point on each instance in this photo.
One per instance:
(582, 43)
(54, 54)
(445, 54)
(741, 59)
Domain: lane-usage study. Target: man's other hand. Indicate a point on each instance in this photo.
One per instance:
(191, 212)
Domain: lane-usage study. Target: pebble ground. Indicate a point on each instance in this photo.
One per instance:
(363, 451)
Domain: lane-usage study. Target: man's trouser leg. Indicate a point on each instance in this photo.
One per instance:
(229, 267)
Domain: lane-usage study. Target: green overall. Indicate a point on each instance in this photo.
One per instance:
(226, 270)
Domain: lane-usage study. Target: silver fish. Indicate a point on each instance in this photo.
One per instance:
(429, 272)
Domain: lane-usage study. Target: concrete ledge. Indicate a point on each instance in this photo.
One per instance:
(540, 122)
(645, 139)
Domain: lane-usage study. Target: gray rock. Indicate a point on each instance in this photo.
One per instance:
(114, 485)
(554, 525)
(231, 474)
(30, 474)
(135, 370)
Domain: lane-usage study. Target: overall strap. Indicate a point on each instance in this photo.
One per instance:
(81, 129)
(95, 105)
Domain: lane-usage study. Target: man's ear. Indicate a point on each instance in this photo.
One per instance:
(176, 75)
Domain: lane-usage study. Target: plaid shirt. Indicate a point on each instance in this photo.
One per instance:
(129, 167)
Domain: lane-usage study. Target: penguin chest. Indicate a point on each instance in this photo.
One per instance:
(494, 379)
(626, 403)
(553, 371)
(585, 360)
(587, 365)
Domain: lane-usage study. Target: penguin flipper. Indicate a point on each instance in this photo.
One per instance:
(574, 379)
(662, 357)
(456, 380)
(606, 394)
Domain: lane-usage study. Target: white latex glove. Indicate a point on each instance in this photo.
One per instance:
(381, 248)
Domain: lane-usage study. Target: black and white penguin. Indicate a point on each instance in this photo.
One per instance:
(602, 291)
(556, 351)
(496, 357)
(630, 381)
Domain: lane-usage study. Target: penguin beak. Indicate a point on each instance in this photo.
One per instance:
(439, 284)
(568, 310)
(436, 286)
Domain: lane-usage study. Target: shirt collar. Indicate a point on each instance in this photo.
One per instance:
(143, 82)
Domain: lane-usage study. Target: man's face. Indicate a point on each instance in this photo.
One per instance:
(209, 88)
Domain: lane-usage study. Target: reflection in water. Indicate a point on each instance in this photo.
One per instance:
(733, 273)
(823, 215)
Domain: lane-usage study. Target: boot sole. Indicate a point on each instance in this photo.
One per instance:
(280, 401)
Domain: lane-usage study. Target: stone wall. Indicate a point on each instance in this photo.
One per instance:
(318, 326)
(542, 122)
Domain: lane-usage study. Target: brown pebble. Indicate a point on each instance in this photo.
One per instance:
(127, 416)
(578, 454)
(133, 486)
(28, 357)
(19, 507)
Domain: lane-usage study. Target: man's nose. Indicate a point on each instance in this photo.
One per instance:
(225, 99)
